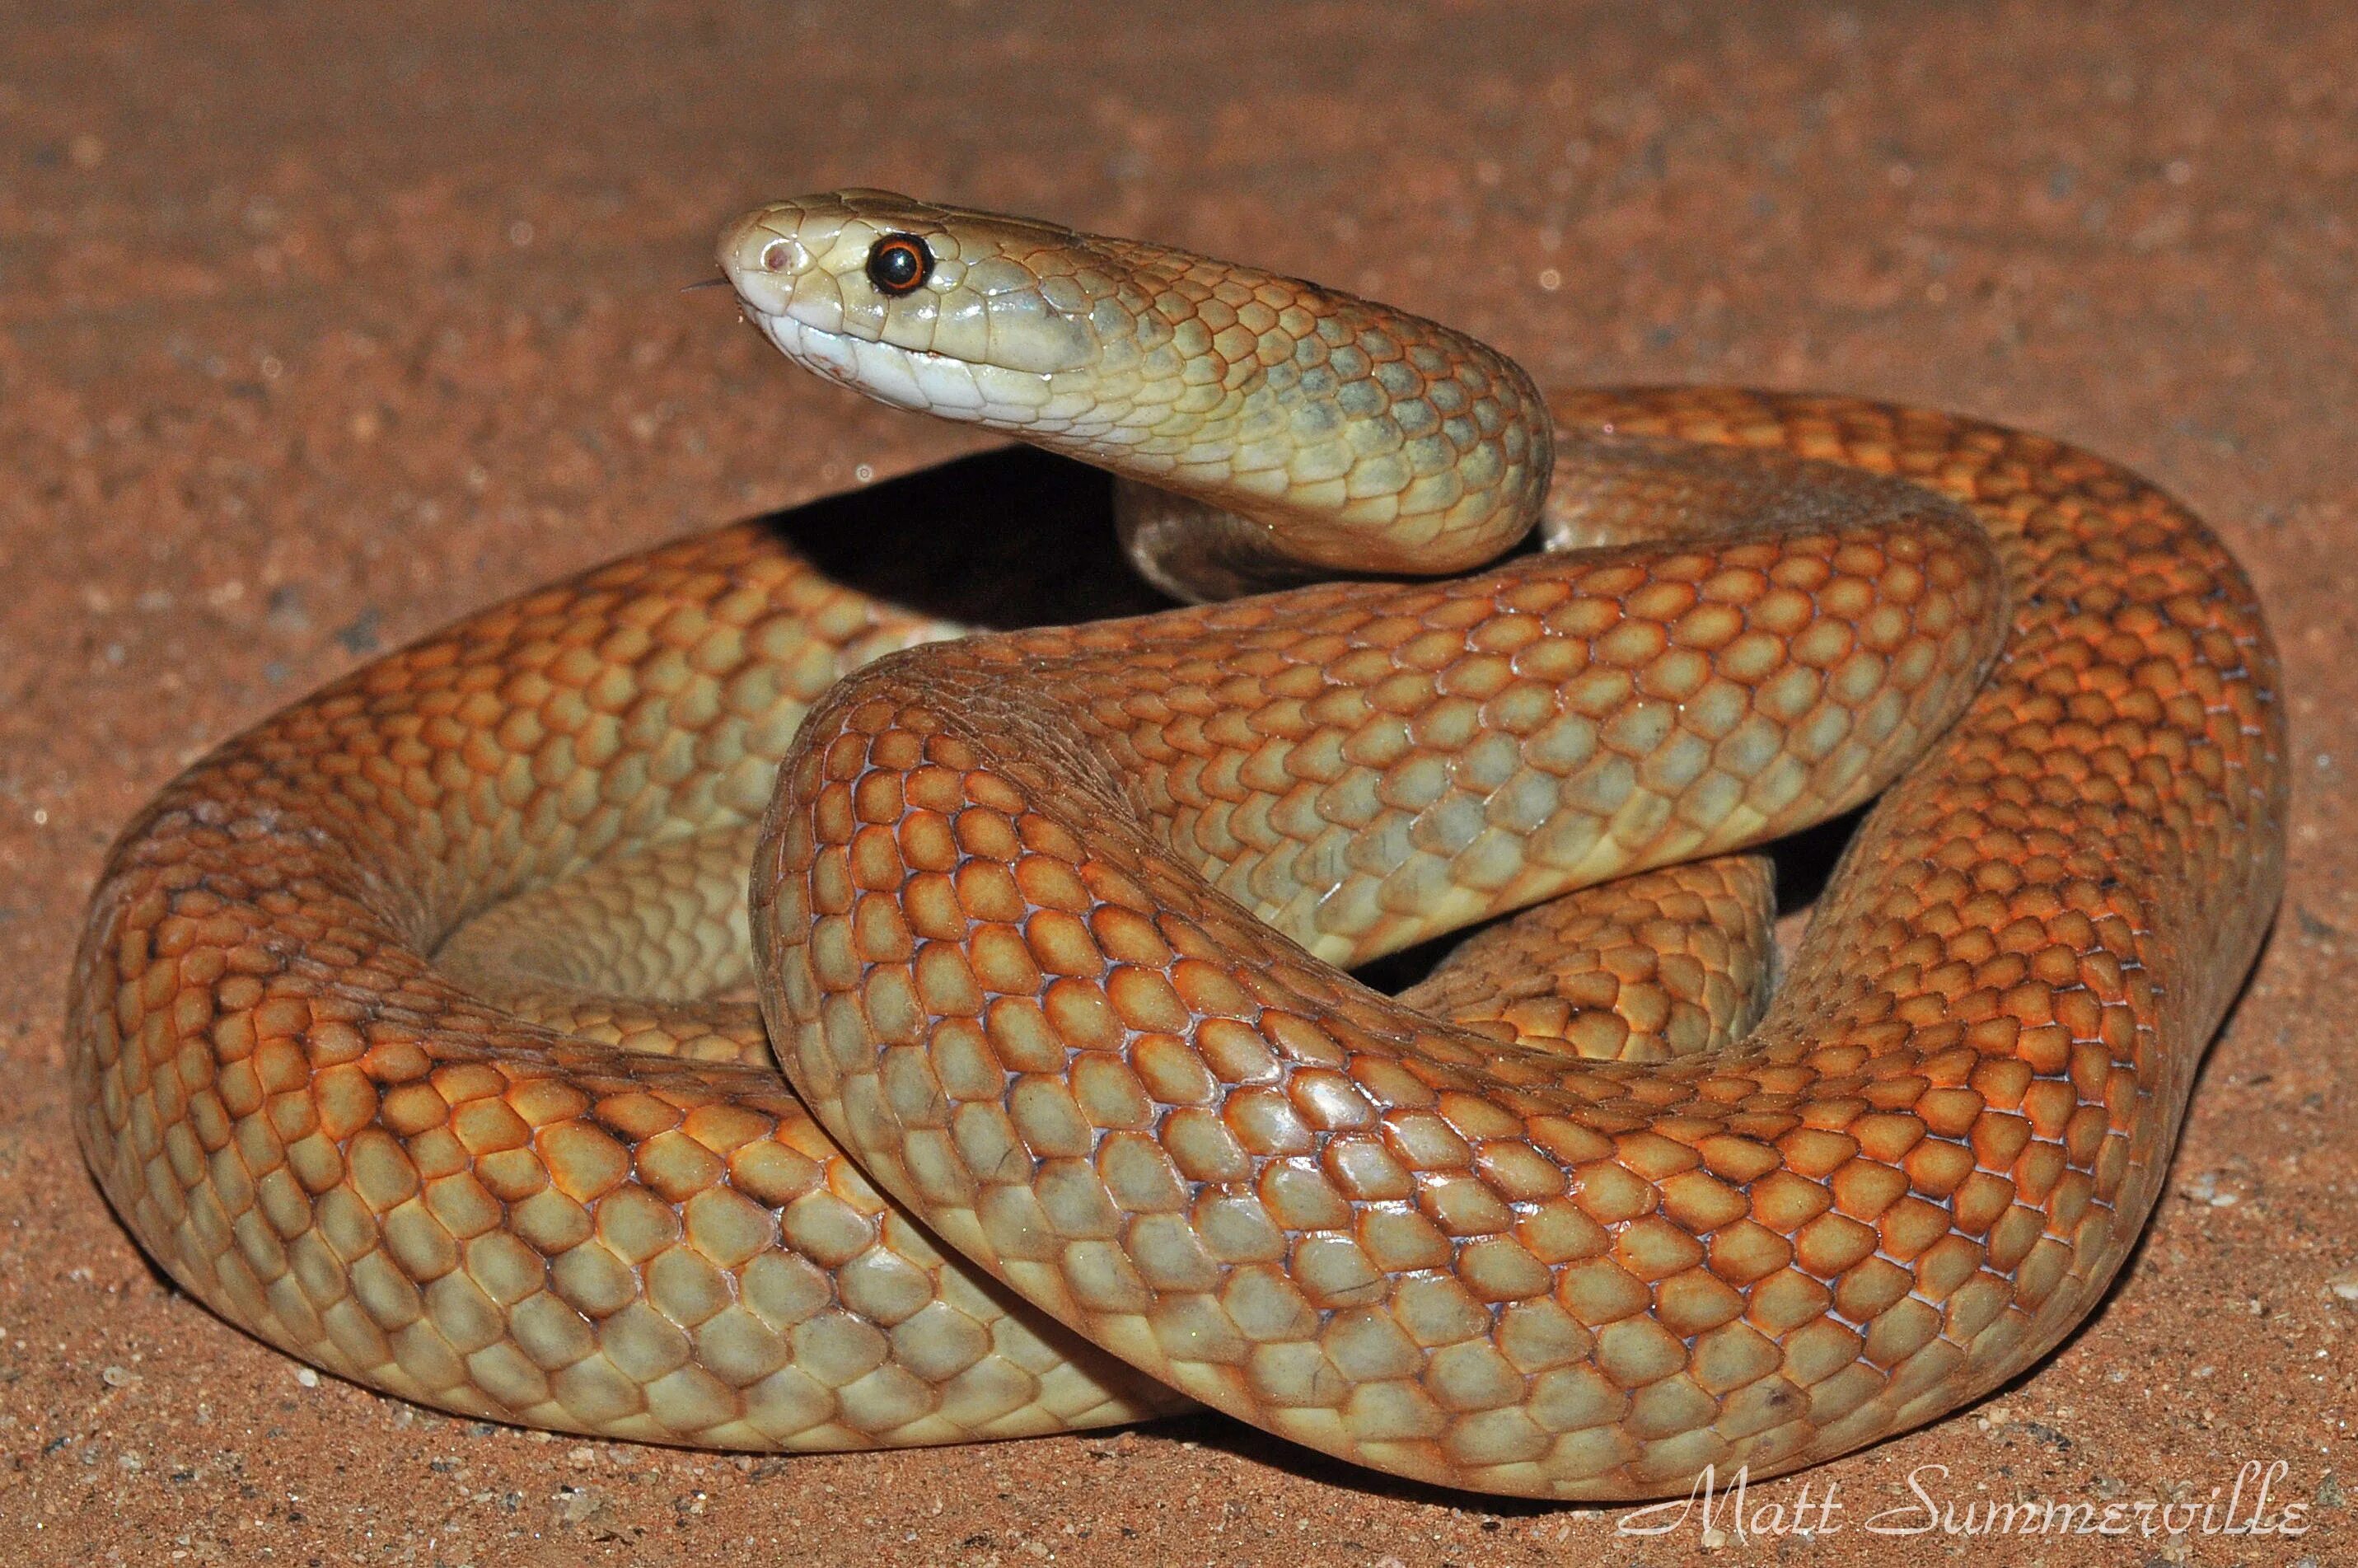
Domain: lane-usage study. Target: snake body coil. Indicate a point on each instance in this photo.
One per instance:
(411, 1031)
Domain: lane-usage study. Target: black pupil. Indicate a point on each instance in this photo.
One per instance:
(899, 262)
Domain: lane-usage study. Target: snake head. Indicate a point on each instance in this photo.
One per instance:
(1341, 433)
(956, 313)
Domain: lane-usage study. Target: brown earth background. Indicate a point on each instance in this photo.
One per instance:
(322, 324)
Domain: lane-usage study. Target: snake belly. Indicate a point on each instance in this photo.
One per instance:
(1084, 1121)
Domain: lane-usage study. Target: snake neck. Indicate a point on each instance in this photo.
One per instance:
(1338, 434)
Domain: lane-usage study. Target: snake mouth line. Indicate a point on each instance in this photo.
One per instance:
(921, 380)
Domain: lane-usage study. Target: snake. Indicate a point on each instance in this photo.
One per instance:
(701, 1002)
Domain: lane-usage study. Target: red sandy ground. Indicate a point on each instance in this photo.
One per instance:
(320, 325)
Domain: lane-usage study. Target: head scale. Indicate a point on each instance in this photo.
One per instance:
(957, 293)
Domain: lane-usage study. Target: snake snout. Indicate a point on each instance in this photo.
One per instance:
(763, 254)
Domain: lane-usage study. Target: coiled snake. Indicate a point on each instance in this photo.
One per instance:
(411, 1029)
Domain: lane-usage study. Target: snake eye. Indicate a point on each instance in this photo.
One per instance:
(899, 264)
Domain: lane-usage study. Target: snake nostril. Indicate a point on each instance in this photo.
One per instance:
(778, 255)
